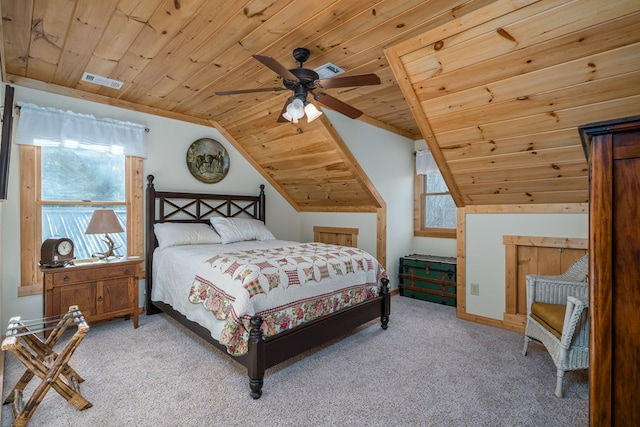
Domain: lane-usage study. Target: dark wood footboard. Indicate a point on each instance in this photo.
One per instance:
(265, 353)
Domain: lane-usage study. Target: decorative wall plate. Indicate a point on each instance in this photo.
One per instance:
(208, 160)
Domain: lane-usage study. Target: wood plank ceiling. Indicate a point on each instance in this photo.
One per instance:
(499, 94)
(496, 87)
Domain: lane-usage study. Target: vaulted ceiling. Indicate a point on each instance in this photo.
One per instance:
(496, 87)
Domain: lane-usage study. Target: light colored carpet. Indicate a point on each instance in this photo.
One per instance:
(427, 369)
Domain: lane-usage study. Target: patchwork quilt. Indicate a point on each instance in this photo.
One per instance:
(288, 286)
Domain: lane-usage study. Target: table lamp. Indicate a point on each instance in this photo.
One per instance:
(105, 221)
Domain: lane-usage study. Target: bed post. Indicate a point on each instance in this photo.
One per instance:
(386, 303)
(262, 210)
(150, 239)
(256, 365)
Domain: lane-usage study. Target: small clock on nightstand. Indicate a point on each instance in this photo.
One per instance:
(56, 252)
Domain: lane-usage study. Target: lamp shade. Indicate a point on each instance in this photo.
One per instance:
(289, 118)
(296, 109)
(104, 221)
(312, 112)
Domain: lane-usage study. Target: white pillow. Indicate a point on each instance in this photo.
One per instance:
(175, 234)
(240, 229)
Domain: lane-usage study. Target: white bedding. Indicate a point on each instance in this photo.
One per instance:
(173, 274)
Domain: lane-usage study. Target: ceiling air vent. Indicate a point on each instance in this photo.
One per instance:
(103, 81)
(328, 70)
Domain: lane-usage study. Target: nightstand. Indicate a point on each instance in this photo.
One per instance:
(102, 290)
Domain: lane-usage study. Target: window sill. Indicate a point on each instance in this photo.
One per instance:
(26, 290)
(436, 232)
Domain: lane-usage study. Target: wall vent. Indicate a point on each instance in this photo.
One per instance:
(328, 70)
(103, 81)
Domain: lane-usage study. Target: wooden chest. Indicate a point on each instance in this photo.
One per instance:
(429, 278)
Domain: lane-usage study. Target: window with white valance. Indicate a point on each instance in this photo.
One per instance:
(44, 126)
(72, 164)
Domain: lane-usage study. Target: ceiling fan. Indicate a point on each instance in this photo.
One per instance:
(303, 81)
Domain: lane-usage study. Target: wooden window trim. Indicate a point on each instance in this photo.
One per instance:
(418, 214)
(31, 221)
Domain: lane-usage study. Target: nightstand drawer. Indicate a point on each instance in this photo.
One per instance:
(67, 276)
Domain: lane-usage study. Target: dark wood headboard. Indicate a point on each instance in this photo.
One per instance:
(170, 206)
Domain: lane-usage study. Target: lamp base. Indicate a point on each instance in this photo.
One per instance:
(109, 253)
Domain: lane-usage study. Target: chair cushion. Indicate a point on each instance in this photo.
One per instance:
(551, 316)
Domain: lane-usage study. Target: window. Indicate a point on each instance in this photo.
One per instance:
(74, 182)
(63, 181)
(44, 215)
(435, 215)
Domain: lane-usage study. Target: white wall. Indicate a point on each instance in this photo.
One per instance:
(388, 162)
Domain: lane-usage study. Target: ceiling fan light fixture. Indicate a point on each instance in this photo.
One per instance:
(303, 81)
(312, 112)
(296, 109)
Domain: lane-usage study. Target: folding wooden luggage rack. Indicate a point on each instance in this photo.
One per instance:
(42, 361)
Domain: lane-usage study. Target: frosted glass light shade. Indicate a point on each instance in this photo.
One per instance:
(312, 112)
(288, 117)
(296, 109)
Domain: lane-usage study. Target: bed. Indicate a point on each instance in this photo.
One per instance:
(231, 290)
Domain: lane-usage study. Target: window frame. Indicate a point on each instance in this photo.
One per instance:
(31, 282)
(419, 230)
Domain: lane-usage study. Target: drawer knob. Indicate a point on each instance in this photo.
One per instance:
(126, 271)
(100, 298)
(65, 278)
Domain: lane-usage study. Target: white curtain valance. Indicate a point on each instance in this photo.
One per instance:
(425, 163)
(52, 127)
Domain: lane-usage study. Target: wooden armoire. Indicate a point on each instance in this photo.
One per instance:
(613, 153)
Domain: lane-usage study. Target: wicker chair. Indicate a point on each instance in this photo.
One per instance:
(557, 317)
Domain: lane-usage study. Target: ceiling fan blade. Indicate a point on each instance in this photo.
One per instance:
(337, 105)
(358, 80)
(261, 89)
(284, 108)
(277, 67)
